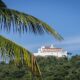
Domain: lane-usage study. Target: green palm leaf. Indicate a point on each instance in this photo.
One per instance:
(2, 4)
(22, 22)
(19, 55)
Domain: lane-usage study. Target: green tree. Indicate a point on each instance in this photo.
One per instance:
(51, 68)
(20, 22)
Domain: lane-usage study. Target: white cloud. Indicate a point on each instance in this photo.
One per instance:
(72, 40)
(70, 44)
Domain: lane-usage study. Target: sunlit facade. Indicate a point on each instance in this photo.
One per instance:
(51, 51)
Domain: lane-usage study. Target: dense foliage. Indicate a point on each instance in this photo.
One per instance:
(52, 69)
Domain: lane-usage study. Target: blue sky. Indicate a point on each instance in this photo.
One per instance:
(62, 15)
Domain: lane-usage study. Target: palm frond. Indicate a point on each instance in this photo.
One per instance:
(19, 55)
(22, 22)
(2, 4)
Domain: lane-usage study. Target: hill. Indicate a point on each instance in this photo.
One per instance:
(52, 69)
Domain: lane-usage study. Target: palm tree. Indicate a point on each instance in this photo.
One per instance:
(21, 22)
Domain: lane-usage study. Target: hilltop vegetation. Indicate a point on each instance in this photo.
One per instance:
(52, 69)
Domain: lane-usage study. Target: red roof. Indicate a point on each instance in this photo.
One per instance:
(51, 49)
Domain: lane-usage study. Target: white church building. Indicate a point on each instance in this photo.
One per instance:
(51, 51)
